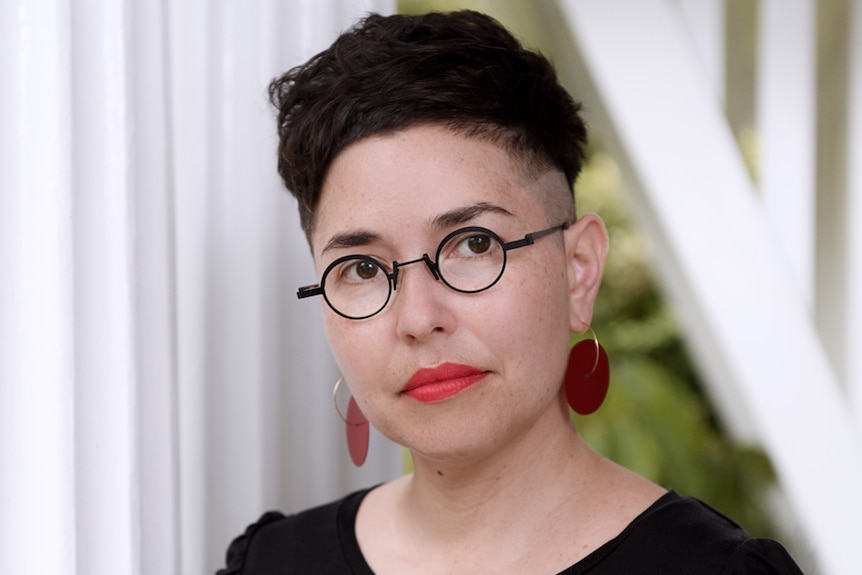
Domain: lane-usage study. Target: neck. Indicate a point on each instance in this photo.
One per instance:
(548, 467)
(538, 504)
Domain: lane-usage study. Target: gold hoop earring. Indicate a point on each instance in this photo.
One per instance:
(598, 349)
(357, 427)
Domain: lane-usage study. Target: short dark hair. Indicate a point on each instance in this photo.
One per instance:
(461, 70)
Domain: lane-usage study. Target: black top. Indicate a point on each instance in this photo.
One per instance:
(676, 535)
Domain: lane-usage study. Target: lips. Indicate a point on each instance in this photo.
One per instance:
(442, 382)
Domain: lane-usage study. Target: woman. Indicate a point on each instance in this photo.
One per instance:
(433, 159)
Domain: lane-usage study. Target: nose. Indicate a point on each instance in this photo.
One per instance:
(432, 267)
(422, 302)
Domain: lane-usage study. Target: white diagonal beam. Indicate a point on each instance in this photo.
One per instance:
(785, 110)
(853, 217)
(719, 262)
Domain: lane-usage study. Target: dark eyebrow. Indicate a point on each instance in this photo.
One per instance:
(463, 215)
(351, 239)
(452, 218)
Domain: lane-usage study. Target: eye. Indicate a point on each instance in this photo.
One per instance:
(478, 244)
(474, 244)
(361, 270)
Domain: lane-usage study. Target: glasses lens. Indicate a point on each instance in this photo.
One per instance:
(356, 286)
(471, 260)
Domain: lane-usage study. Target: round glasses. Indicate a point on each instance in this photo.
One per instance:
(468, 260)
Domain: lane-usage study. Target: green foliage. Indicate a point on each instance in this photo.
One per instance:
(656, 420)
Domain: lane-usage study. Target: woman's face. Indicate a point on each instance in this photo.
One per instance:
(448, 374)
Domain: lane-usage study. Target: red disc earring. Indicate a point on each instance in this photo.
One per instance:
(587, 376)
(358, 429)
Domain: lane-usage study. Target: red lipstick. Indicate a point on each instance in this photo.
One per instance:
(442, 382)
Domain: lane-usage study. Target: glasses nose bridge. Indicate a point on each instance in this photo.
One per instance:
(429, 263)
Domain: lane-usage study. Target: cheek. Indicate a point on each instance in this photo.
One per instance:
(543, 298)
(357, 350)
(341, 342)
(541, 314)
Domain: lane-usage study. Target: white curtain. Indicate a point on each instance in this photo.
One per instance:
(160, 386)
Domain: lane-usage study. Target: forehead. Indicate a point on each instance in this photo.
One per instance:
(402, 181)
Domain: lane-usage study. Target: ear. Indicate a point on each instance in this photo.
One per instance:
(586, 247)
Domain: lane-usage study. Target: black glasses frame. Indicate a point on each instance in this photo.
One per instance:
(320, 288)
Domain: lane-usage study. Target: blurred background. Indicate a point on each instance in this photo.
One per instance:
(161, 386)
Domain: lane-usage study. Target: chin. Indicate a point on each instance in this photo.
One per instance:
(455, 449)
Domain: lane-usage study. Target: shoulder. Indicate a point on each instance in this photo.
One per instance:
(313, 539)
(761, 556)
(684, 535)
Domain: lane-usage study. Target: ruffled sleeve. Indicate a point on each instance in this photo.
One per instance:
(238, 549)
(761, 557)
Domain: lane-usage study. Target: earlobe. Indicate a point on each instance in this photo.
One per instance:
(586, 249)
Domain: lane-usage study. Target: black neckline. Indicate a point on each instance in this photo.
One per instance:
(349, 509)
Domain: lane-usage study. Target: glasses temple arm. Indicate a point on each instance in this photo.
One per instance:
(308, 291)
(530, 239)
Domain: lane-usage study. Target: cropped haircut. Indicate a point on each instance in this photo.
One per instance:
(460, 70)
